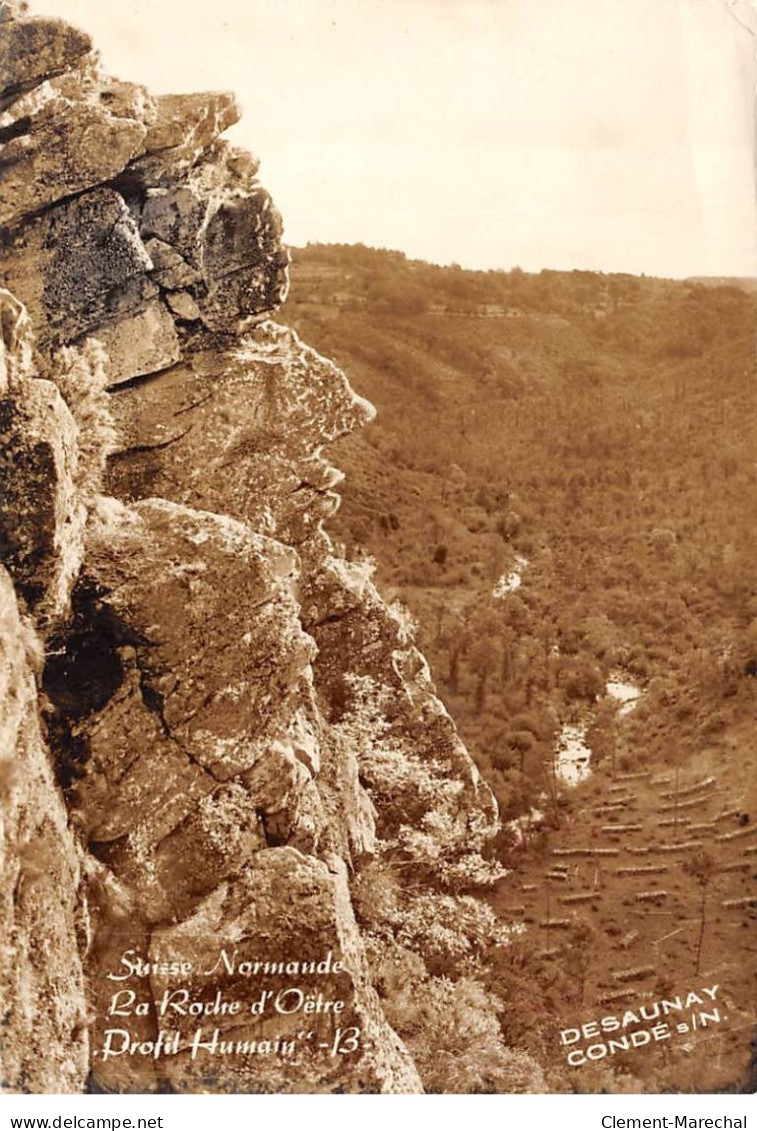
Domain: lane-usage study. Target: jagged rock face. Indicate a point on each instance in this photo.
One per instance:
(67, 135)
(44, 1044)
(78, 265)
(41, 516)
(33, 50)
(237, 720)
(197, 222)
(141, 343)
(184, 127)
(360, 640)
(239, 429)
(301, 907)
(216, 234)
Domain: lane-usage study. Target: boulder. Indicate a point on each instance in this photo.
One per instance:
(207, 604)
(184, 306)
(245, 265)
(169, 269)
(186, 125)
(284, 908)
(16, 342)
(145, 342)
(222, 224)
(239, 430)
(33, 50)
(66, 136)
(77, 265)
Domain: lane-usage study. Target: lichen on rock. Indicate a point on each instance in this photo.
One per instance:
(41, 510)
(44, 1044)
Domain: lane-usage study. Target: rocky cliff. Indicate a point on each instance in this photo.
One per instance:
(213, 728)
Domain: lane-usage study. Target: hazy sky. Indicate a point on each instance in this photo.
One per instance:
(602, 134)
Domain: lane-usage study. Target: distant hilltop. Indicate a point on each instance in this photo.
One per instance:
(745, 282)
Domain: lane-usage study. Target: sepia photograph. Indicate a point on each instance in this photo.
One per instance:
(378, 587)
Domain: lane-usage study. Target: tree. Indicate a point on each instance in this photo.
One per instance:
(584, 680)
(457, 639)
(701, 867)
(602, 734)
(579, 955)
(483, 660)
(454, 1035)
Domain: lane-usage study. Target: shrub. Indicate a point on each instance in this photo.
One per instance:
(453, 1034)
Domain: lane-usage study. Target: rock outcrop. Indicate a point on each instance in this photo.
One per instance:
(44, 1036)
(235, 723)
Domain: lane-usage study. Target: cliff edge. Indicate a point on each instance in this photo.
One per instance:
(218, 741)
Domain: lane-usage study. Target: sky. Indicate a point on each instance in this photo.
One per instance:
(612, 135)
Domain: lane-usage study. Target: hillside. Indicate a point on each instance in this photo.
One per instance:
(561, 488)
